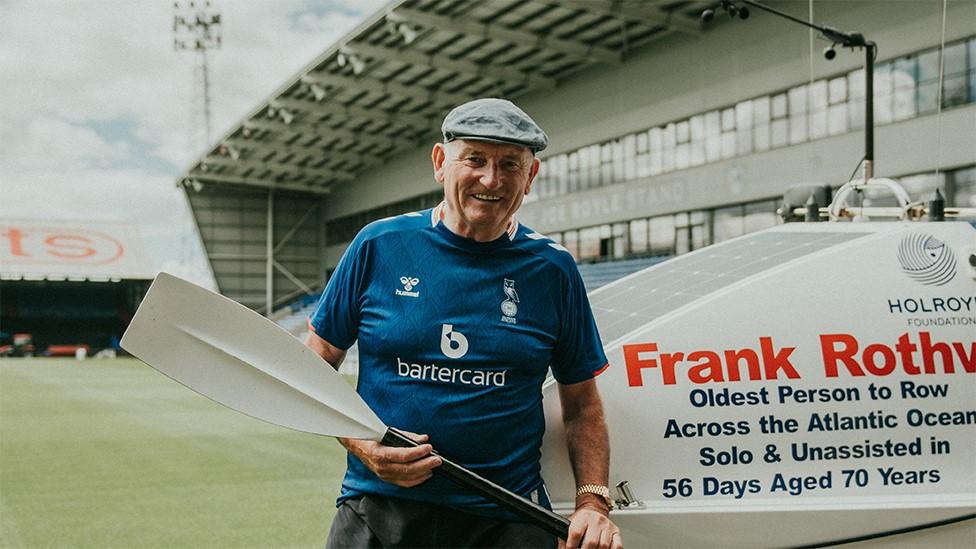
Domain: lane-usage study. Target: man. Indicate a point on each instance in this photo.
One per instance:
(460, 311)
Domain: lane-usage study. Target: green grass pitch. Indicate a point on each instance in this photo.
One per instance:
(110, 453)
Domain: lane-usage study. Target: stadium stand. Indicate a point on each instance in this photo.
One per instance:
(68, 285)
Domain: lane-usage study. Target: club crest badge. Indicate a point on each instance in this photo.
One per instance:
(509, 304)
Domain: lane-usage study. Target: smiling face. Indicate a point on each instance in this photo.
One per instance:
(484, 184)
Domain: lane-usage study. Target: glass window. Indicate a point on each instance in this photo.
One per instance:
(972, 70)
(903, 80)
(682, 239)
(928, 81)
(855, 105)
(655, 142)
(662, 234)
(921, 187)
(779, 127)
(617, 163)
(728, 223)
(779, 133)
(629, 146)
(638, 236)
(594, 179)
(683, 131)
(682, 233)
(837, 90)
(571, 243)
(760, 215)
(818, 109)
(608, 164)
(743, 124)
(563, 172)
(589, 243)
(954, 85)
(697, 140)
(837, 119)
(643, 165)
(779, 105)
(697, 153)
(667, 152)
(883, 94)
(955, 59)
(728, 119)
(682, 155)
(585, 161)
(728, 144)
(572, 184)
(682, 152)
(713, 136)
(698, 220)
(798, 114)
(728, 133)
(619, 236)
(760, 129)
(963, 188)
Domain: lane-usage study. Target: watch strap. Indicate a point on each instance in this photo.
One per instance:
(597, 490)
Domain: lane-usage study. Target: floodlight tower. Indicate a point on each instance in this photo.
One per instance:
(196, 27)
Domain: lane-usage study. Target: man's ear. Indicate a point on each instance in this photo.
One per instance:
(532, 173)
(438, 156)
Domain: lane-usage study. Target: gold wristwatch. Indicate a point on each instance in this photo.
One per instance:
(596, 490)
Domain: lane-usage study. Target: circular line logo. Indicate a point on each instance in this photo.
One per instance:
(926, 259)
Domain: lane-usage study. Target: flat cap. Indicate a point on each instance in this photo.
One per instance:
(496, 120)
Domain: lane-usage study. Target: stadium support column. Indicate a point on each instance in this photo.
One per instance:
(269, 265)
(322, 243)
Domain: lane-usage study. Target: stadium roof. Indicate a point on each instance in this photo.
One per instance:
(386, 85)
(34, 249)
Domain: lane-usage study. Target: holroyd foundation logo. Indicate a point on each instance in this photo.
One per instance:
(926, 259)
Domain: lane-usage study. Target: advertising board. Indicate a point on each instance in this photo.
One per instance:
(38, 249)
(804, 370)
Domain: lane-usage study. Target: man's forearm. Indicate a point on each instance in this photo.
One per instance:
(587, 439)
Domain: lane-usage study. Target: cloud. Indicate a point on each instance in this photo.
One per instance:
(53, 141)
(97, 117)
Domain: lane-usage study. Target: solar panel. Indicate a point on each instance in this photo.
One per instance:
(630, 303)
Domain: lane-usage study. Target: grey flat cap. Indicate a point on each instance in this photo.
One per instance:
(494, 120)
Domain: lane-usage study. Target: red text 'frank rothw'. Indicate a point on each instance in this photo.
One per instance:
(842, 354)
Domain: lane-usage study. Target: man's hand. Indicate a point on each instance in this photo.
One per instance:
(590, 527)
(406, 467)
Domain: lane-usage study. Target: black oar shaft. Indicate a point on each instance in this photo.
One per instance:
(531, 512)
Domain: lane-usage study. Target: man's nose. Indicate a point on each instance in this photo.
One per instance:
(490, 176)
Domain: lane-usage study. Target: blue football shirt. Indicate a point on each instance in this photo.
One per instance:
(455, 340)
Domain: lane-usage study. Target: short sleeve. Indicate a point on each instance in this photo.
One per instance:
(336, 317)
(578, 354)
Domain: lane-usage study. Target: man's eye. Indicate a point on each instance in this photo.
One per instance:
(475, 160)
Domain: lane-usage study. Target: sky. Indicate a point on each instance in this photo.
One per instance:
(97, 107)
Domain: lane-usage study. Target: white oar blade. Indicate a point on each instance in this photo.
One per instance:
(229, 353)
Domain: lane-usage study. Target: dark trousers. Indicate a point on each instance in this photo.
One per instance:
(378, 521)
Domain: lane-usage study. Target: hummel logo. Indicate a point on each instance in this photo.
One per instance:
(408, 285)
(408, 282)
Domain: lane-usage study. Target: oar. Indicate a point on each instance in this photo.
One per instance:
(234, 356)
